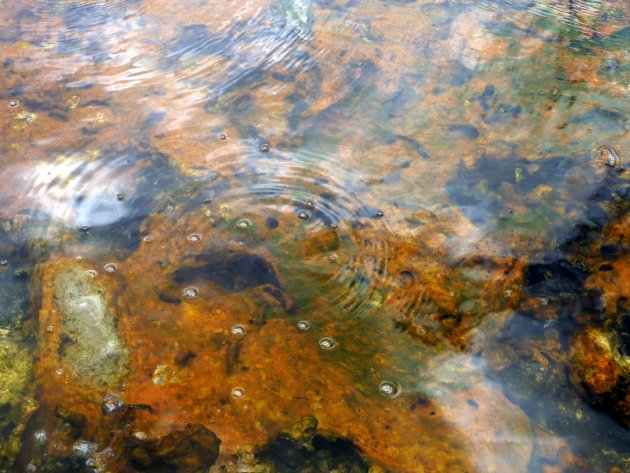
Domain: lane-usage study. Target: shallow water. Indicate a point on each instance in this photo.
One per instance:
(341, 236)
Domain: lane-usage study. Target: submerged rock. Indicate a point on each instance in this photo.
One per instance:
(193, 450)
(301, 449)
(88, 345)
(607, 156)
(600, 370)
(235, 269)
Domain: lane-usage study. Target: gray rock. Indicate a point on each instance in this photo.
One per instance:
(90, 345)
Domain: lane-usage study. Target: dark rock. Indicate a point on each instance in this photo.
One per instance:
(193, 450)
(232, 269)
(303, 449)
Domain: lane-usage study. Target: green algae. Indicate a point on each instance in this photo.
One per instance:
(16, 403)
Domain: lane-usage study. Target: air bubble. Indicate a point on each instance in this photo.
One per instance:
(148, 239)
(327, 343)
(110, 267)
(191, 292)
(91, 273)
(303, 325)
(334, 226)
(194, 238)
(238, 393)
(120, 196)
(85, 228)
(244, 223)
(223, 137)
(238, 330)
(379, 214)
(3, 262)
(112, 403)
(304, 214)
(264, 148)
(14, 103)
(309, 204)
(334, 257)
(389, 389)
(207, 200)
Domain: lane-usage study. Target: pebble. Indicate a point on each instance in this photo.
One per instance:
(607, 156)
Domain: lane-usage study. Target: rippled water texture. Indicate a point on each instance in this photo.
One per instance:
(315, 236)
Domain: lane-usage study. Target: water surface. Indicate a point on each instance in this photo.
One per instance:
(315, 236)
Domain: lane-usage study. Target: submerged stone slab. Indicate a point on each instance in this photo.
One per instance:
(88, 344)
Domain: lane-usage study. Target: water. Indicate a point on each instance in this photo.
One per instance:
(335, 235)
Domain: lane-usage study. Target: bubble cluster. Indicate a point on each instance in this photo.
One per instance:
(191, 292)
(303, 325)
(238, 393)
(110, 267)
(389, 389)
(194, 238)
(327, 343)
(84, 448)
(40, 436)
(112, 403)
